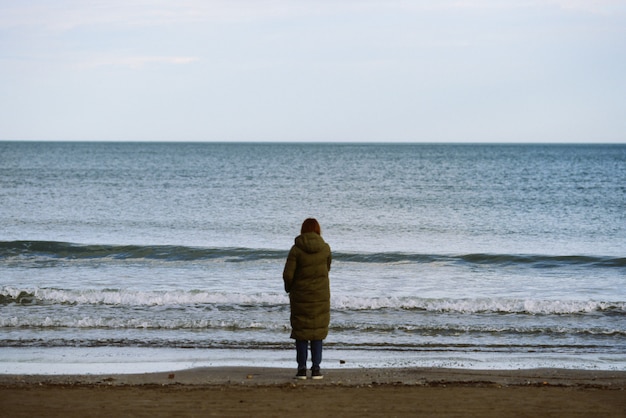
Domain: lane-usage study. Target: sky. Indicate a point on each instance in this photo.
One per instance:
(304, 70)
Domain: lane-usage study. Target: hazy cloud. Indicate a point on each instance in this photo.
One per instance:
(69, 14)
(445, 70)
(134, 62)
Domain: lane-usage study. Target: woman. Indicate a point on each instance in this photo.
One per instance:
(306, 280)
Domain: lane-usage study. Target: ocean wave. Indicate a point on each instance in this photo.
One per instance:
(124, 297)
(482, 305)
(233, 326)
(136, 298)
(455, 329)
(49, 251)
(528, 260)
(146, 343)
(52, 250)
(135, 323)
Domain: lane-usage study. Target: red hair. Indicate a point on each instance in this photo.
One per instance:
(311, 225)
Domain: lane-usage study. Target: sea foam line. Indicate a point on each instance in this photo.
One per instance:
(130, 298)
(45, 252)
(134, 297)
(282, 325)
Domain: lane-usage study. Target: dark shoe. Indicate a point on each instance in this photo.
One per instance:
(316, 374)
(301, 375)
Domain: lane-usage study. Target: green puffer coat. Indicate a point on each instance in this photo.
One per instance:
(306, 281)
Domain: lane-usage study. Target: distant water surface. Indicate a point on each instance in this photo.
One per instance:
(448, 255)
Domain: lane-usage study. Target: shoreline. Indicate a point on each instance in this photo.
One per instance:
(269, 376)
(256, 391)
(140, 360)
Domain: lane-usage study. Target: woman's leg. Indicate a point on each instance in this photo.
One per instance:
(316, 353)
(302, 348)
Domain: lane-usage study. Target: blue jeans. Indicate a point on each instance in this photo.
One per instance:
(302, 348)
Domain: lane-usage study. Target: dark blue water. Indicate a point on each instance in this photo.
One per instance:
(456, 255)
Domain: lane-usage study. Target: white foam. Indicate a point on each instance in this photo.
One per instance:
(129, 297)
(477, 305)
(108, 360)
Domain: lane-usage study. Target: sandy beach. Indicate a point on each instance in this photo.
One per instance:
(268, 392)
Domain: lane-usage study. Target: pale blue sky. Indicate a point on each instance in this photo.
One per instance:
(300, 70)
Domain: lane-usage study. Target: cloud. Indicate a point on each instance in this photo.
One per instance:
(592, 6)
(135, 62)
(65, 15)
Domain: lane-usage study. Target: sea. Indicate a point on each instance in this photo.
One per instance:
(139, 257)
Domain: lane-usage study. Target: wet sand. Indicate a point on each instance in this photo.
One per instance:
(270, 392)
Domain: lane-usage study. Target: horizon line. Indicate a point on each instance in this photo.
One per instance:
(326, 142)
